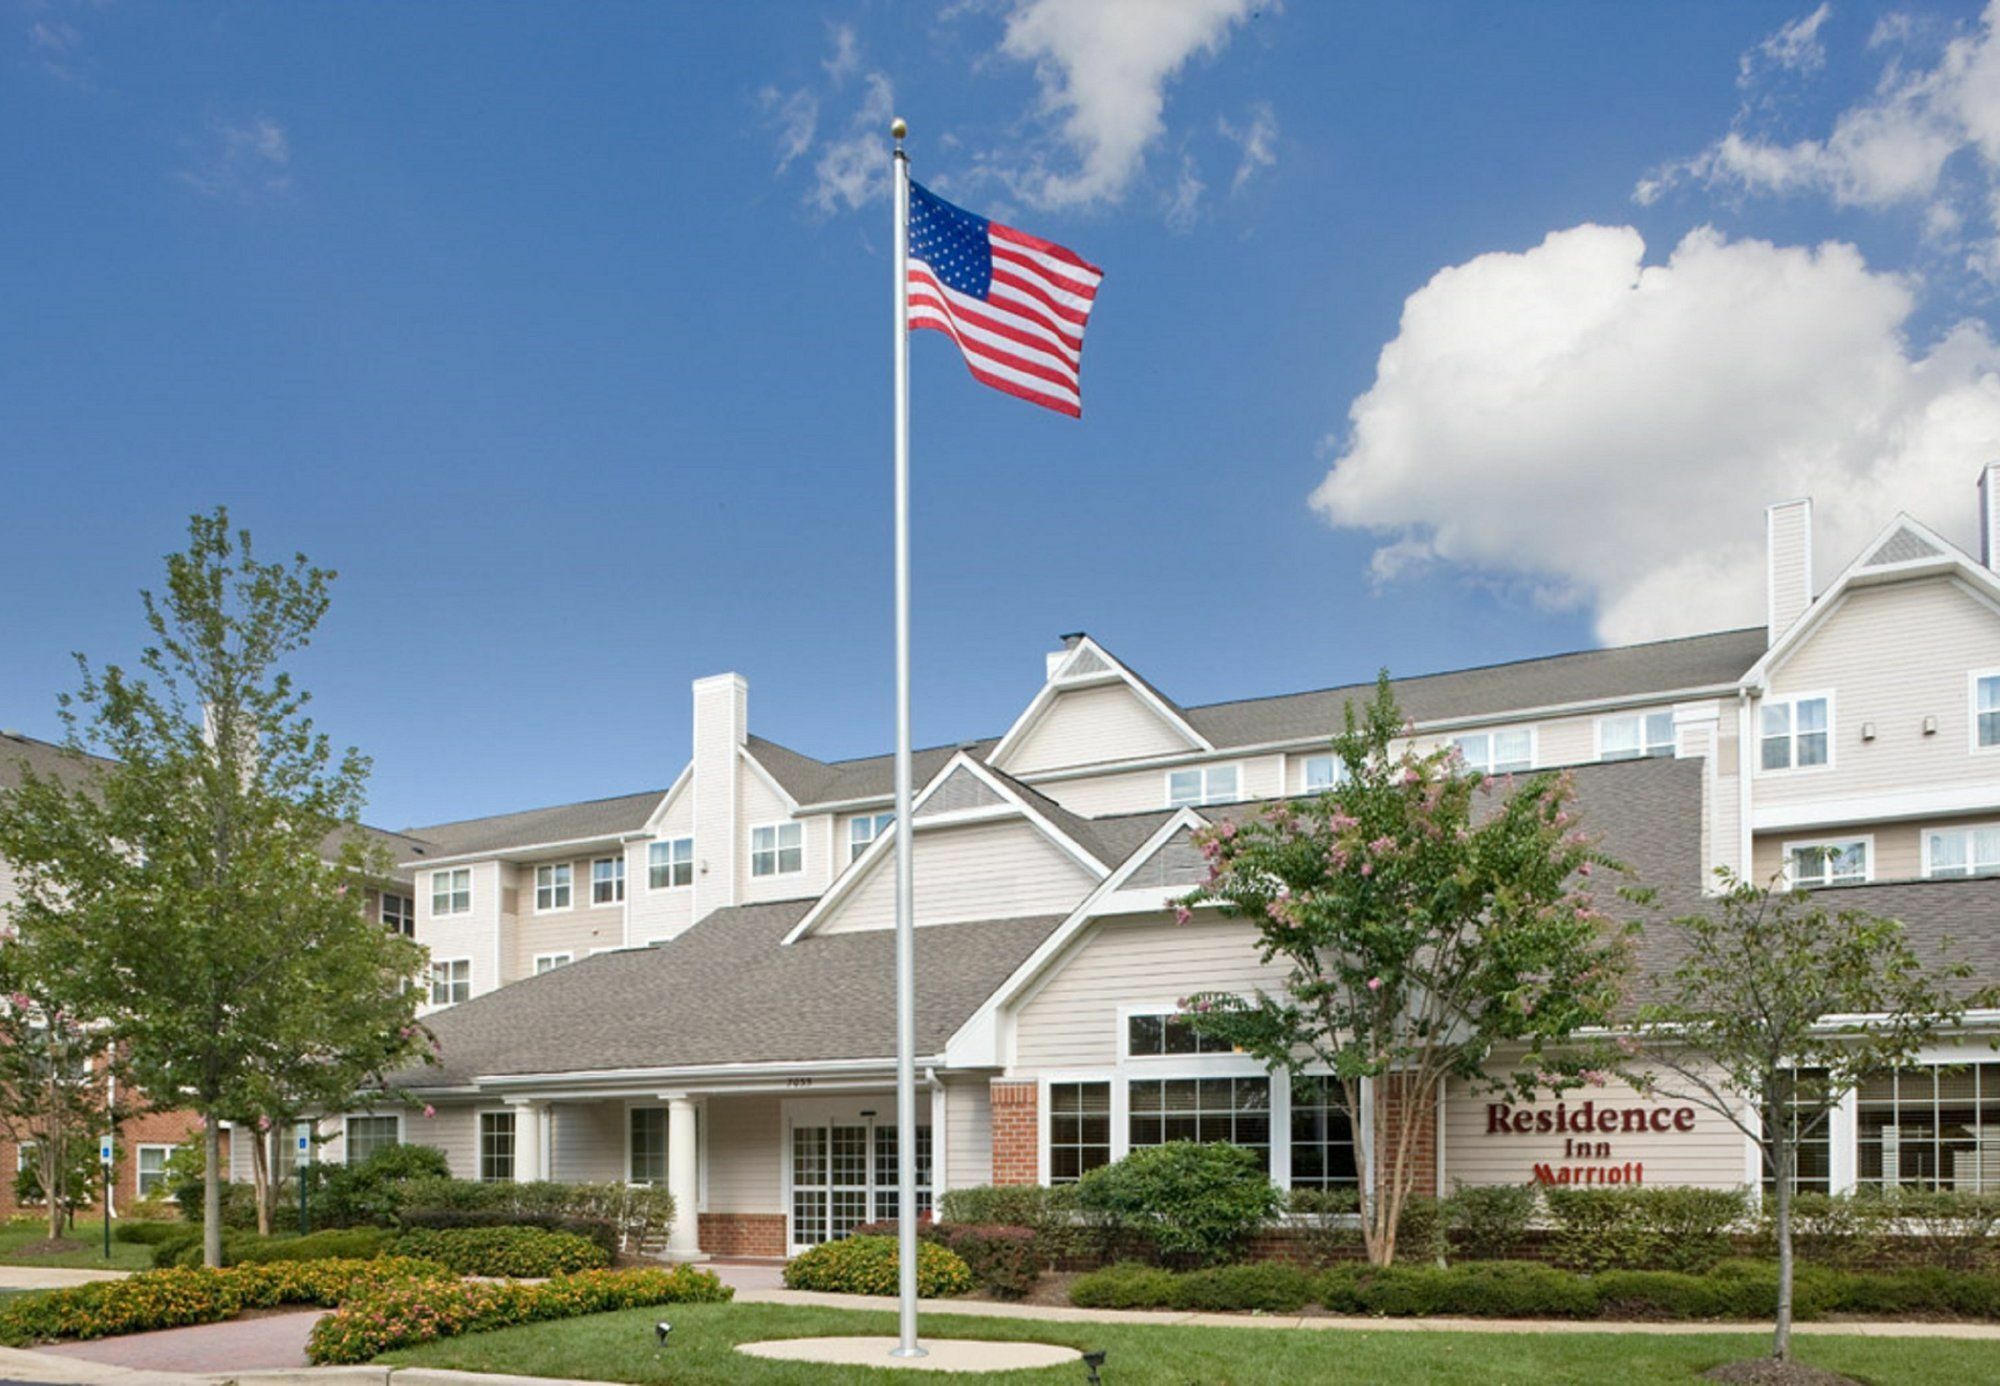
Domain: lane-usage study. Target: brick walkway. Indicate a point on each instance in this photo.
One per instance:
(257, 1343)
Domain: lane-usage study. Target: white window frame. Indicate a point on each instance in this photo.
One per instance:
(1166, 1011)
(436, 963)
(347, 1120)
(1490, 733)
(666, 1132)
(1867, 841)
(616, 881)
(139, 1166)
(450, 875)
(1643, 716)
(1972, 679)
(1306, 763)
(670, 844)
(1924, 848)
(554, 961)
(1792, 701)
(479, 1144)
(566, 884)
(778, 848)
(876, 823)
(1208, 795)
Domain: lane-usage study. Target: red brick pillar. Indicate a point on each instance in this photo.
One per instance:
(1016, 1132)
(1395, 1110)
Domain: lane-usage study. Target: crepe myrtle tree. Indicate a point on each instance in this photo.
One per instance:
(1778, 1008)
(1429, 928)
(206, 877)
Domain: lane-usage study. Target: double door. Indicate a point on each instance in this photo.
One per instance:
(843, 1174)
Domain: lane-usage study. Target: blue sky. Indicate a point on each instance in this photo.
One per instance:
(1432, 335)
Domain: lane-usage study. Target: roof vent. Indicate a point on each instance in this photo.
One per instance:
(1904, 546)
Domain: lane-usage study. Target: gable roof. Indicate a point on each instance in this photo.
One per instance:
(725, 992)
(594, 818)
(1089, 665)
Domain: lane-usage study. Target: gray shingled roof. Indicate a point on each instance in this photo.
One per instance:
(594, 818)
(728, 992)
(832, 782)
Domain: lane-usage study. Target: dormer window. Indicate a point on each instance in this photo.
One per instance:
(1636, 736)
(1203, 784)
(1323, 773)
(1796, 733)
(1499, 752)
(864, 830)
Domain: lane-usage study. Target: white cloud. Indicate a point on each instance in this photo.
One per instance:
(1103, 67)
(1184, 206)
(1603, 433)
(242, 160)
(845, 59)
(1256, 141)
(795, 116)
(853, 169)
(1795, 47)
(1895, 147)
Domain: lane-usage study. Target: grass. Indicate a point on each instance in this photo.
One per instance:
(619, 1347)
(21, 1243)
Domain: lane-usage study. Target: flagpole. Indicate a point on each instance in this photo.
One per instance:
(906, 941)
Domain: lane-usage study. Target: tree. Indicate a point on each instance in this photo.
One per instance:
(209, 879)
(1422, 938)
(1777, 1009)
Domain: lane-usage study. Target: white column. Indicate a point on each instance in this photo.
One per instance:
(683, 1179)
(528, 1121)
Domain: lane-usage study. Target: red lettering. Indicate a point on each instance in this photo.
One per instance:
(1524, 1122)
(1496, 1118)
(1545, 1121)
(1635, 1119)
(1662, 1118)
(1544, 1175)
(1684, 1119)
(1607, 1121)
(1584, 1118)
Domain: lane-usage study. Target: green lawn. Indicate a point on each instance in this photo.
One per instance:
(21, 1245)
(619, 1347)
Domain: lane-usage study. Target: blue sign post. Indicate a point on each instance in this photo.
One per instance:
(104, 1157)
(299, 1171)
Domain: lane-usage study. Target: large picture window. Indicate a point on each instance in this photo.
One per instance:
(1930, 1128)
(496, 1147)
(1322, 1137)
(368, 1134)
(1079, 1129)
(1237, 1110)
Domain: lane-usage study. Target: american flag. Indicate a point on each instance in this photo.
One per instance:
(1015, 304)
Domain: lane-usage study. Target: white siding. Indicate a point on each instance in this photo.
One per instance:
(1004, 870)
(576, 930)
(475, 935)
(1145, 791)
(745, 1154)
(1711, 1155)
(968, 1133)
(661, 914)
(758, 805)
(1086, 725)
(1072, 1020)
(1892, 656)
(454, 1130)
(588, 1145)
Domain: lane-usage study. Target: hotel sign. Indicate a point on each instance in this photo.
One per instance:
(1586, 1157)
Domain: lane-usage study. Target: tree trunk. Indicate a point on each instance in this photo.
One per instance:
(1781, 1342)
(211, 1190)
(49, 1155)
(260, 1177)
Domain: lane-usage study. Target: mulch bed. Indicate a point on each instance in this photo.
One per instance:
(1765, 1371)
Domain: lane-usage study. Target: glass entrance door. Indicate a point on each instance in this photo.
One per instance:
(844, 1174)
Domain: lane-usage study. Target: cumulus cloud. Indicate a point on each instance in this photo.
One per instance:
(1603, 433)
(244, 160)
(1103, 67)
(849, 160)
(1256, 141)
(853, 169)
(1895, 147)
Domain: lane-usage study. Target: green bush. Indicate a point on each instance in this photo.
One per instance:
(1065, 1231)
(1486, 1289)
(172, 1298)
(510, 1252)
(1326, 1223)
(1691, 1227)
(1490, 1221)
(368, 1324)
(1942, 1227)
(867, 1266)
(1420, 1233)
(1827, 1230)
(618, 1216)
(147, 1233)
(1599, 1229)
(1003, 1260)
(1266, 1287)
(1199, 1202)
(1127, 1285)
(999, 1205)
(374, 1191)
(335, 1243)
(600, 1234)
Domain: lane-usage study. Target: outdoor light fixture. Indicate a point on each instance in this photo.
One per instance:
(1092, 1361)
(661, 1330)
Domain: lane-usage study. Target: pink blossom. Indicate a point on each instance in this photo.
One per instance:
(1182, 914)
(1410, 775)
(1225, 830)
(1374, 984)
(1596, 1077)
(1383, 845)
(19, 1000)
(1341, 822)
(263, 1123)
(1367, 868)
(1583, 870)
(429, 1110)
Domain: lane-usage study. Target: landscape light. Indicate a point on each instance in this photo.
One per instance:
(1092, 1361)
(661, 1330)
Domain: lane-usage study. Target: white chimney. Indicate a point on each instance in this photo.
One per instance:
(721, 727)
(1989, 516)
(1787, 565)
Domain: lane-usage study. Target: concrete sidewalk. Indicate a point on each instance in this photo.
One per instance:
(52, 1277)
(39, 1367)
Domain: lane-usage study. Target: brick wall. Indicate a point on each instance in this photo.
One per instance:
(154, 1128)
(1395, 1112)
(1016, 1132)
(742, 1234)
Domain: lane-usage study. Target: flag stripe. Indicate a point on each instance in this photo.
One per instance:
(1001, 323)
(1049, 248)
(1077, 291)
(1003, 377)
(1018, 305)
(971, 339)
(1028, 287)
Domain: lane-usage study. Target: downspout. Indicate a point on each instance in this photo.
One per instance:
(1744, 759)
(939, 1150)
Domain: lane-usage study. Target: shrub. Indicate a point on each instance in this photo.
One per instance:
(381, 1319)
(172, 1298)
(512, 1252)
(1944, 1227)
(1827, 1230)
(155, 1209)
(998, 1205)
(1065, 1231)
(374, 1191)
(1003, 1260)
(1488, 1289)
(1420, 1234)
(1326, 1223)
(1267, 1287)
(335, 1243)
(1599, 1229)
(147, 1233)
(1200, 1202)
(1487, 1222)
(600, 1234)
(1691, 1227)
(1127, 1285)
(867, 1266)
(619, 1217)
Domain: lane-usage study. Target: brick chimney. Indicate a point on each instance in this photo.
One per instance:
(1787, 565)
(721, 726)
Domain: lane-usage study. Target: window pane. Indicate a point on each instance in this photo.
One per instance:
(1221, 784)
(1321, 772)
(649, 1145)
(1619, 738)
(1777, 719)
(1660, 733)
(1777, 753)
(1513, 750)
(1145, 1034)
(1474, 750)
(1184, 787)
(496, 1146)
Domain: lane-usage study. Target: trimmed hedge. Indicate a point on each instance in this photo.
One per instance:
(597, 1231)
(173, 1298)
(1530, 1290)
(508, 1252)
(868, 1265)
(1005, 1262)
(147, 1233)
(247, 1248)
(376, 1321)
(1200, 1202)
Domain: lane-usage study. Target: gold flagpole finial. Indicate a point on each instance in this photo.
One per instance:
(898, 128)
